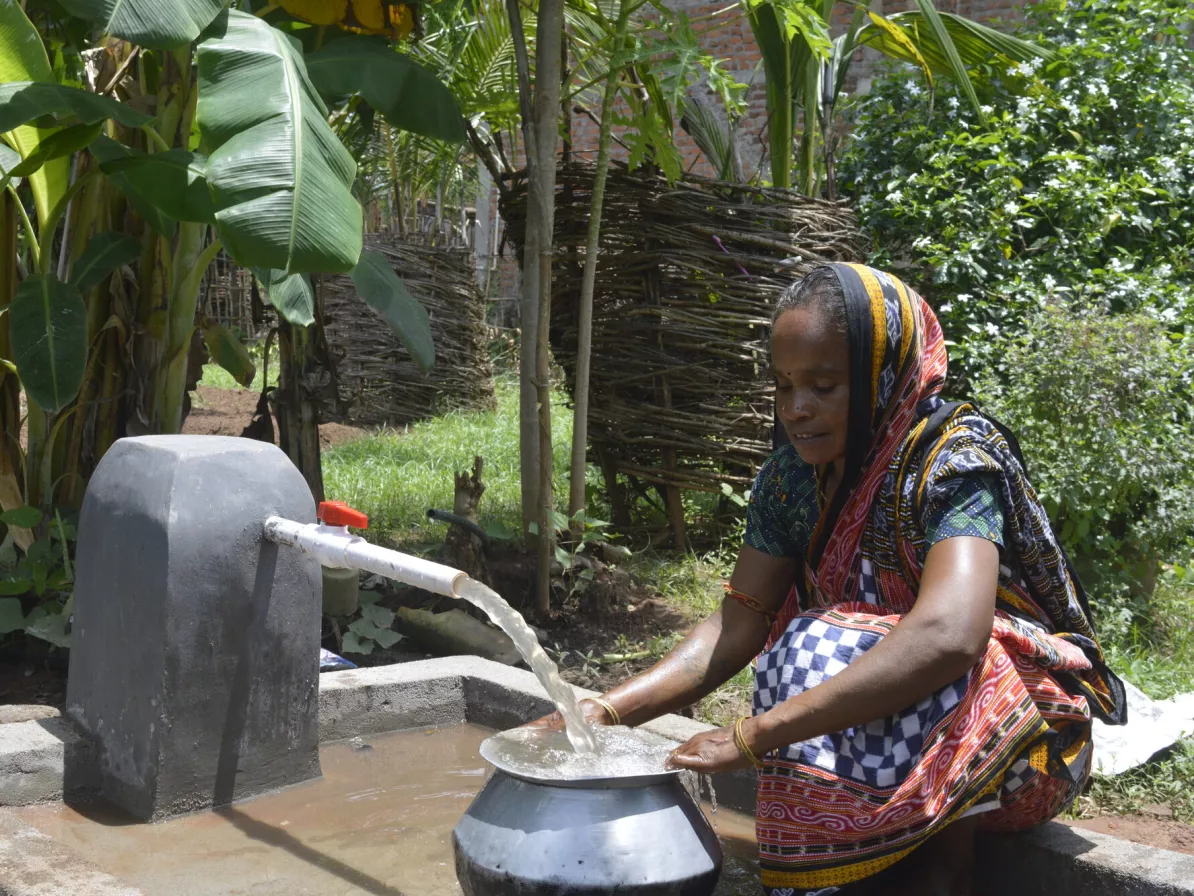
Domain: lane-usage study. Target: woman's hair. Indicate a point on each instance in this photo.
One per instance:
(819, 288)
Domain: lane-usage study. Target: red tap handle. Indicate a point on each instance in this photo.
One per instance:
(337, 513)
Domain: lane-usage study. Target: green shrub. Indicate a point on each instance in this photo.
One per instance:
(1102, 407)
(1079, 190)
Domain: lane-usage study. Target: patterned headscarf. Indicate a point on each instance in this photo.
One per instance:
(897, 365)
(897, 369)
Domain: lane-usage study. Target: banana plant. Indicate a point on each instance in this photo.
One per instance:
(806, 71)
(194, 129)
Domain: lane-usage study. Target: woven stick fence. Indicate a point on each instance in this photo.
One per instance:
(680, 392)
(377, 379)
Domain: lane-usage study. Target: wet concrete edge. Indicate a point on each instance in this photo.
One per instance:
(1050, 861)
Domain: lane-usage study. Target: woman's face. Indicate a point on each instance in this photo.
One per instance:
(810, 361)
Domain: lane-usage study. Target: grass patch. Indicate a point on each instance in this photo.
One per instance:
(395, 476)
(1169, 782)
(1158, 656)
(216, 377)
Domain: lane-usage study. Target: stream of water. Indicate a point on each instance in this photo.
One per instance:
(509, 620)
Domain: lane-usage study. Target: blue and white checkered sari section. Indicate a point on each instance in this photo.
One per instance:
(880, 754)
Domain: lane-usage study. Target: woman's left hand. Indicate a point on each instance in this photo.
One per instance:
(710, 752)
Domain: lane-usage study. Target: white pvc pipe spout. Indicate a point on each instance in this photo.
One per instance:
(336, 547)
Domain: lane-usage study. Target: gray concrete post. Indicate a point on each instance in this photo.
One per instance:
(194, 663)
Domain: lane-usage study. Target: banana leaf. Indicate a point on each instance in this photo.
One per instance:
(59, 144)
(280, 179)
(172, 184)
(23, 58)
(408, 95)
(158, 24)
(48, 324)
(229, 352)
(22, 102)
(290, 294)
(104, 253)
(384, 292)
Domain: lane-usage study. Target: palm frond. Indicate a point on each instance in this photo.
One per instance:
(715, 138)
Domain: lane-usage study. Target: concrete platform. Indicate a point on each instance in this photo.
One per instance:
(39, 760)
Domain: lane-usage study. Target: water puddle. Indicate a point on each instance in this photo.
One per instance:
(378, 822)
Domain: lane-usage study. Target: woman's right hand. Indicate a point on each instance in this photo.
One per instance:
(594, 713)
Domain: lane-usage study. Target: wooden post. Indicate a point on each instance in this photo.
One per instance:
(672, 493)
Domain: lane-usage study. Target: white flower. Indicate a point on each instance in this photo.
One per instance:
(1011, 208)
(952, 102)
(1049, 282)
(946, 308)
(1114, 104)
(964, 297)
(992, 330)
(895, 196)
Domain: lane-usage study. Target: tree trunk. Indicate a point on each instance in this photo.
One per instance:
(528, 308)
(547, 109)
(11, 493)
(584, 336)
(298, 424)
(463, 550)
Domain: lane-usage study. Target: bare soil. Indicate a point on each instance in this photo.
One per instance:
(226, 412)
(32, 683)
(1156, 828)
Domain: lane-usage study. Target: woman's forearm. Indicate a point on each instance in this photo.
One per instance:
(937, 642)
(709, 656)
(908, 665)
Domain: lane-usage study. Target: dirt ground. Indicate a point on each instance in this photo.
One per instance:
(32, 683)
(226, 412)
(1153, 826)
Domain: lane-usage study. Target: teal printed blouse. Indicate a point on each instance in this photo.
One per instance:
(783, 511)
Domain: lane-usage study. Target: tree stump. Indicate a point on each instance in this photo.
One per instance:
(464, 550)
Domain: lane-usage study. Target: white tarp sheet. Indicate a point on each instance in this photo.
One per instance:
(1153, 726)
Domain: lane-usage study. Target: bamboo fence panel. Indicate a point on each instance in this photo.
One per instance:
(680, 395)
(377, 382)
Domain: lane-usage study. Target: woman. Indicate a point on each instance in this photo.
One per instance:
(934, 669)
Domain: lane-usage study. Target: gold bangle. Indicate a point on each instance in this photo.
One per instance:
(609, 709)
(740, 741)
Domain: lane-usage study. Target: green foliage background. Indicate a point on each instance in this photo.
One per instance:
(1056, 243)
